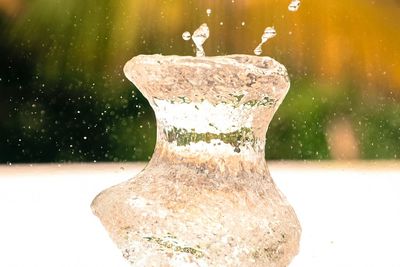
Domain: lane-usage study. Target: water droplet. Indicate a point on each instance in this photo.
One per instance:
(294, 5)
(221, 23)
(243, 23)
(209, 11)
(258, 50)
(269, 33)
(186, 36)
(199, 37)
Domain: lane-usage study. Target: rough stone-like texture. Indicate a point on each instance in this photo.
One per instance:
(206, 198)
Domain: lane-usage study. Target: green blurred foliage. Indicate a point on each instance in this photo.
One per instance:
(299, 129)
(63, 95)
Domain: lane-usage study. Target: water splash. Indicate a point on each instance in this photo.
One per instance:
(186, 36)
(294, 5)
(199, 37)
(269, 33)
(209, 11)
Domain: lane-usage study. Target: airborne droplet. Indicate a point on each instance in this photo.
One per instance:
(294, 5)
(269, 33)
(258, 50)
(186, 36)
(199, 37)
(208, 11)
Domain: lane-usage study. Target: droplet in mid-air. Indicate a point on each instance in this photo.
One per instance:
(186, 36)
(294, 5)
(208, 11)
(199, 37)
(269, 33)
(258, 50)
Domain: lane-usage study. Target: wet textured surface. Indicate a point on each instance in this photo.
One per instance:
(206, 198)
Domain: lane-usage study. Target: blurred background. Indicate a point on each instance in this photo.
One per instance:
(63, 95)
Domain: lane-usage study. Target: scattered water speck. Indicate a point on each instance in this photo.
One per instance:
(208, 11)
(294, 5)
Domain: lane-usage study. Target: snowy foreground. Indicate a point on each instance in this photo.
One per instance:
(350, 213)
